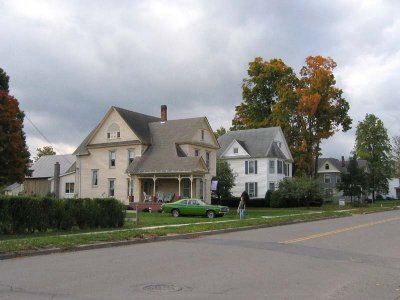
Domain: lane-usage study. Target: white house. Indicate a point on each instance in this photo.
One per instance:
(260, 158)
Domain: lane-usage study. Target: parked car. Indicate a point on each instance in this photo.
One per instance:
(194, 207)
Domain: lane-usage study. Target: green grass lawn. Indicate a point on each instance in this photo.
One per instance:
(254, 217)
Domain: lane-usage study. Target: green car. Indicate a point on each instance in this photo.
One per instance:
(194, 207)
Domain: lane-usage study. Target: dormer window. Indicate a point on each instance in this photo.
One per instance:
(235, 150)
(326, 166)
(113, 132)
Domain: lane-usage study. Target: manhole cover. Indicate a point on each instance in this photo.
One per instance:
(162, 288)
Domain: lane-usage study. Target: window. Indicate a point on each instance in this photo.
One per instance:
(271, 186)
(271, 167)
(327, 178)
(251, 188)
(111, 187)
(250, 167)
(95, 180)
(113, 132)
(69, 187)
(208, 159)
(338, 179)
(196, 152)
(326, 166)
(131, 155)
(280, 164)
(112, 159)
(286, 169)
(235, 150)
(202, 135)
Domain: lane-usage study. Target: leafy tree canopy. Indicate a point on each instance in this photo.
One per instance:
(354, 182)
(220, 132)
(396, 155)
(373, 145)
(14, 154)
(46, 150)
(308, 108)
(226, 178)
(4, 80)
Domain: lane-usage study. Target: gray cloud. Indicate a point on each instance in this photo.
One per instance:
(69, 61)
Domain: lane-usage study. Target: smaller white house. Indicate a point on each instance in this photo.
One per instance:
(260, 159)
(52, 174)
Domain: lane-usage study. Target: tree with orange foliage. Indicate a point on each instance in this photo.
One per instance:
(309, 109)
(14, 154)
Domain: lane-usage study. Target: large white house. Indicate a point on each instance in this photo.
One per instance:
(133, 157)
(260, 158)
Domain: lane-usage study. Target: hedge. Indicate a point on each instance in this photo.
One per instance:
(30, 214)
(234, 202)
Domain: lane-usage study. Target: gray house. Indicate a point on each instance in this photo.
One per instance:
(330, 172)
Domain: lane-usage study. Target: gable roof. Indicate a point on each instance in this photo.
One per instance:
(257, 142)
(165, 154)
(340, 165)
(44, 167)
(137, 122)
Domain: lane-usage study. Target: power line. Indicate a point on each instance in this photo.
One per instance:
(43, 136)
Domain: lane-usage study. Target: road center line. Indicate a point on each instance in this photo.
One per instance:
(337, 231)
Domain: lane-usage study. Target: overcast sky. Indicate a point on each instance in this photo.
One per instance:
(69, 61)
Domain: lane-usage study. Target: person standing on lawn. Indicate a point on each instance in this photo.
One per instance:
(242, 204)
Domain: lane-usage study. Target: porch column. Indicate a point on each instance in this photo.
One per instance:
(191, 185)
(154, 185)
(179, 185)
(137, 189)
(204, 188)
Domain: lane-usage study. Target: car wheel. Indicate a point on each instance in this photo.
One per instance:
(210, 214)
(175, 213)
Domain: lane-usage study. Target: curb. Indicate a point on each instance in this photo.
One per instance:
(172, 237)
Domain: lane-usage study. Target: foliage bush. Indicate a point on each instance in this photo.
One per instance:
(234, 202)
(268, 196)
(297, 192)
(30, 214)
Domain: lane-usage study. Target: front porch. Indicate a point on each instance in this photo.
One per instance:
(163, 188)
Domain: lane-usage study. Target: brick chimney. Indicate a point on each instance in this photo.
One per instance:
(163, 113)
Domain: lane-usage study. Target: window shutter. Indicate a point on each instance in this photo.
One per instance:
(255, 189)
(255, 168)
(246, 187)
(246, 167)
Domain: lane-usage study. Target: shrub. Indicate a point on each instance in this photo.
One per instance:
(278, 199)
(28, 214)
(295, 192)
(268, 195)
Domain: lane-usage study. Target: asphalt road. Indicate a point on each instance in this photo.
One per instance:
(348, 258)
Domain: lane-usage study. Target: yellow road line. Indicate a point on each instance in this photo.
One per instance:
(328, 233)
